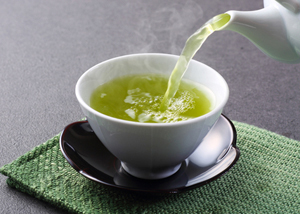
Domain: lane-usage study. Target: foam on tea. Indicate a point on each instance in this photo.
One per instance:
(192, 45)
(138, 98)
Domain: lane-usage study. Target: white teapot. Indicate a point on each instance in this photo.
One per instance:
(275, 29)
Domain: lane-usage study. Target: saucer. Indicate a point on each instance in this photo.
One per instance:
(216, 154)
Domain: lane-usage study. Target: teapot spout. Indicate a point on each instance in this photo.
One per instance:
(266, 29)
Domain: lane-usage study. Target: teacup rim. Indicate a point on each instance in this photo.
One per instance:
(133, 123)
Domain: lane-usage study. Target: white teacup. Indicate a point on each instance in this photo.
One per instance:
(150, 150)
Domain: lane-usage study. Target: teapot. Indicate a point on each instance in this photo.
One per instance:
(275, 29)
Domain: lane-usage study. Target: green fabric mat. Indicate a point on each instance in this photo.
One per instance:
(264, 180)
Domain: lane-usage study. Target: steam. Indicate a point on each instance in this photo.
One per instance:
(164, 31)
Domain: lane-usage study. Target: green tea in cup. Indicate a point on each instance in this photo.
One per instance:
(138, 98)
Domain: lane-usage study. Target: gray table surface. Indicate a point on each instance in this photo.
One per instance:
(46, 45)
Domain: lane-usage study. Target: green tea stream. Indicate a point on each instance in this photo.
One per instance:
(192, 45)
(153, 98)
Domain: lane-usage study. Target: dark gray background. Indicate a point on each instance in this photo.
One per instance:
(46, 45)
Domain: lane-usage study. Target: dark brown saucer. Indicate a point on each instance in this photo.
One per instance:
(216, 154)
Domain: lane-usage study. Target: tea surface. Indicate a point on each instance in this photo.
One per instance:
(138, 98)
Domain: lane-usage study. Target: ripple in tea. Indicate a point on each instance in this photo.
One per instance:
(138, 98)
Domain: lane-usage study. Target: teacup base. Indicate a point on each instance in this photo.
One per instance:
(152, 174)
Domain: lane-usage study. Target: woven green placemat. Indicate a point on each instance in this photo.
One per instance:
(264, 180)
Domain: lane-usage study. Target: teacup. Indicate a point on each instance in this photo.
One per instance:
(150, 150)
